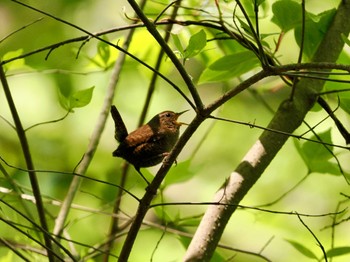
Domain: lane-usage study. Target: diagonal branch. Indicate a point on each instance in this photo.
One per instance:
(154, 32)
(95, 138)
(287, 118)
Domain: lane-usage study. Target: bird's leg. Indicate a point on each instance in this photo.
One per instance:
(138, 171)
(165, 158)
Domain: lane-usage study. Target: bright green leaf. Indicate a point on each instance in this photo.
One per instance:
(259, 2)
(196, 43)
(302, 249)
(81, 98)
(338, 251)
(286, 14)
(234, 61)
(15, 64)
(177, 43)
(229, 67)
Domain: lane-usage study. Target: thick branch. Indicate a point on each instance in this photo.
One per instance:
(288, 117)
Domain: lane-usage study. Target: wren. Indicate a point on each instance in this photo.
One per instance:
(149, 144)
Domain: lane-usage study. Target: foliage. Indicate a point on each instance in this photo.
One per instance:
(236, 65)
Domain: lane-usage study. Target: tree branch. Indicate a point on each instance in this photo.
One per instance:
(287, 118)
(29, 162)
(90, 151)
(154, 32)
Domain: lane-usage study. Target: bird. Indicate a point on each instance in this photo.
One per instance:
(149, 144)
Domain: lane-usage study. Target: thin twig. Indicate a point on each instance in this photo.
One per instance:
(301, 51)
(29, 162)
(154, 32)
(23, 27)
(315, 237)
(114, 220)
(108, 43)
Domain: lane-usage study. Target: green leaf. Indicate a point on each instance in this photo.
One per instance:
(81, 98)
(235, 61)
(104, 52)
(179, 173)
(316, 156)
(345, 103)
(245, 26)
(316, 27)
(63, 100)
(259, 2)
(338, 251)
(177, 43)
(286, 14)
(15, 64)
(230, 66)
(196, 43)
(302, 249)
(104, 57)
(163, 214)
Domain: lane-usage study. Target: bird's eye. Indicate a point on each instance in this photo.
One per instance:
(167, 114)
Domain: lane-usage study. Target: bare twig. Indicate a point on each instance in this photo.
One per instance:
(30, 165)
(23, 27)
(114, 220)
(152, 29)
(315, 237)
(95, 138)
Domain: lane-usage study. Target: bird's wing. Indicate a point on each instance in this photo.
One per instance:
(142, 135)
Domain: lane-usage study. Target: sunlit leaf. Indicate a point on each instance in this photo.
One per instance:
(81, 98)
(196, 43)
(15, 64)
(302, 249)
(234, 61)
(345, 101)
(230, 66)
(177, 43)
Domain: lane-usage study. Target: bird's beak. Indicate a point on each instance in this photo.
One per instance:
(179, 114)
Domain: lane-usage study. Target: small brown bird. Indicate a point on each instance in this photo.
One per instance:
(149, 144)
